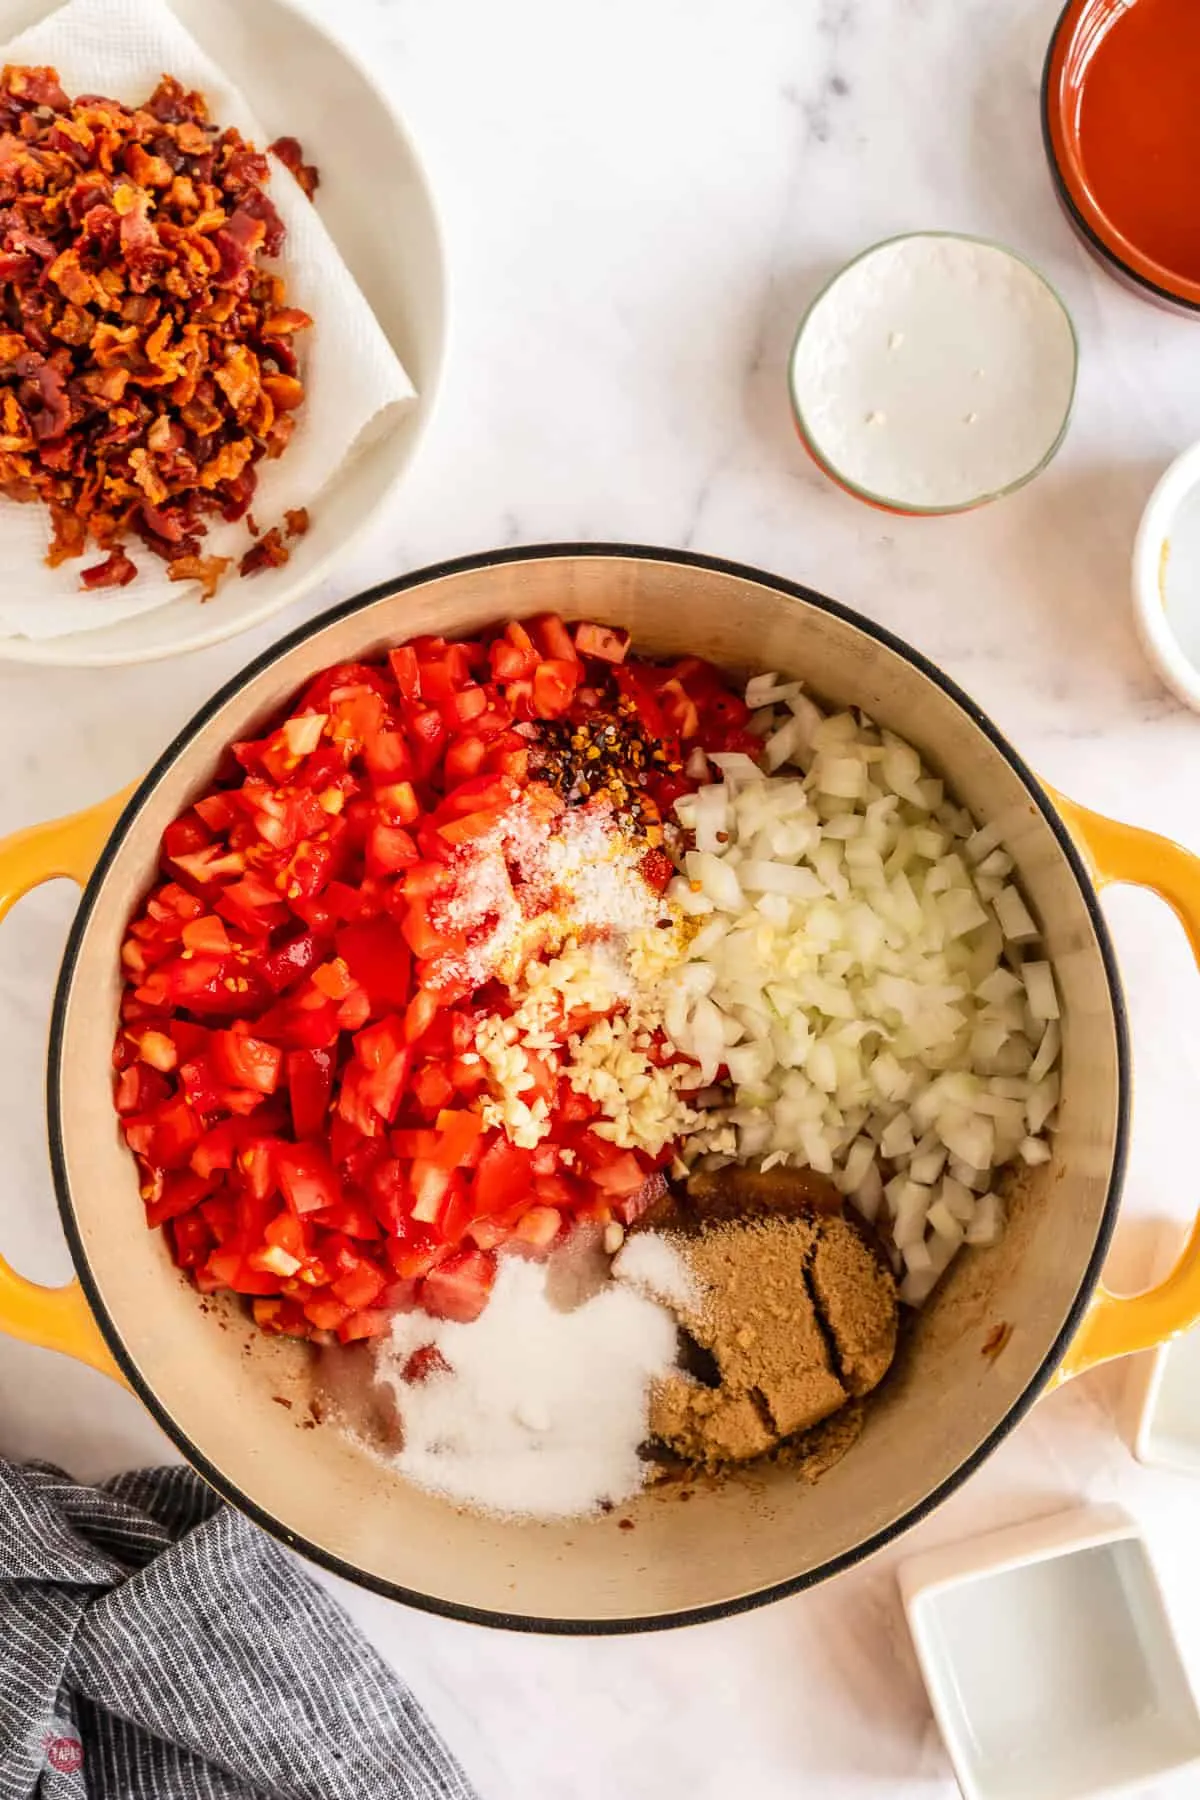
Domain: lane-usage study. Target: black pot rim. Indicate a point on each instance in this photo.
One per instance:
(315, 1552)
(1103, 251)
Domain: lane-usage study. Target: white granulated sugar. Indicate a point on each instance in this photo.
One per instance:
(652, 1265)
(541, 1411)
(536, 884)
(600, 873)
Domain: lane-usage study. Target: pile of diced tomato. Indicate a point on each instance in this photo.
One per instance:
(295, 1067)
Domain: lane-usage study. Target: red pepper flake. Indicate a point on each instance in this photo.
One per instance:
(147, 360)
(296, 520)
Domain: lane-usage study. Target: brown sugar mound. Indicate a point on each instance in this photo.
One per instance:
(799, 1318)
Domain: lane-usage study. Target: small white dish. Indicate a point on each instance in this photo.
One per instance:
(1050, 1660)
(934, 373)
(376, 202)
(1165, 1391)
(1166, 577)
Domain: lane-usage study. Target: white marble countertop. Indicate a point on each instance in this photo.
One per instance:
(638, 199)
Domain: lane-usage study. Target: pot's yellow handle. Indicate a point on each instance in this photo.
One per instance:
(1115, 1325)
(54, 1318)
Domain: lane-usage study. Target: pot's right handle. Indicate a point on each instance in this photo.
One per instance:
(1115, 1325)
(55, 1318)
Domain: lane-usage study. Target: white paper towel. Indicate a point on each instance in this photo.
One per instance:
(353, 379)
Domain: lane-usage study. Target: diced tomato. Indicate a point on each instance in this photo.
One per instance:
(604, 641)
(361, 1287)
(180, 1193)
(388, 758)
(509, 663)
(385, 1058)
(425, 938)
(470, 825)
(207, 935)
(326, 1312)
(459, 1287)
(191, 1240)
(554, 683)
(458, 1135)
(293, 960)
(464, 757)
(164, 1137)
(427, 732)
(351, 1217)
(366, 1324)
(307, 1177)
(296, 1068)
(140, 1089)
(259, 1168)
(552, 638)
(624, 1176)
(246, 1061)
(432, 1087)
(251, 905)
(539, 1227)
(430, 1181)
(503, 1175)
(422, 1010)
(218, 811)
(310, 1083)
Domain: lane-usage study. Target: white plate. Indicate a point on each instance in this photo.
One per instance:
(376, 202)
(1050, 1660)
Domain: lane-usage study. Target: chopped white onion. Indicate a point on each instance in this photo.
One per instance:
(1014, 916)
(858, 975)
(1039, 988)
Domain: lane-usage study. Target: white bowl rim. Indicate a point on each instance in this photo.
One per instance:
(1159, 641)
(890, 503)
(1052, 1537)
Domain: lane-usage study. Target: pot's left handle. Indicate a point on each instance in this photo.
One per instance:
(1115, 1324)
(55, 1318)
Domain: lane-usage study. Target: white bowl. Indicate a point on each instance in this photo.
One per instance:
(934, 373)
(1050, 1660)
(1166, 577)
(376, 202)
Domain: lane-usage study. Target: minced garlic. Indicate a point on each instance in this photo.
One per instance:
(511, 1077)
(642, 1101)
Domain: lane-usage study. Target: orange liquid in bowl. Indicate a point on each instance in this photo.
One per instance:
(1139, 129)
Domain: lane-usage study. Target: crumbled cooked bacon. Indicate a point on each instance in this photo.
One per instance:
(270, 552)
(291, 155)
(115, 571)
(146, 355)
(207, 570)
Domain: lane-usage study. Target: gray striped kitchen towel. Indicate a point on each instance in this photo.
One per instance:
(155, 1645)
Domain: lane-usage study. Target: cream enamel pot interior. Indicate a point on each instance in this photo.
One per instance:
(947, 1404)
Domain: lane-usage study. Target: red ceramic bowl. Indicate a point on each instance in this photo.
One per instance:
(1141, 134)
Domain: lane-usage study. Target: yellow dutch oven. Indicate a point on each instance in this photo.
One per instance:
(216, 1391)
